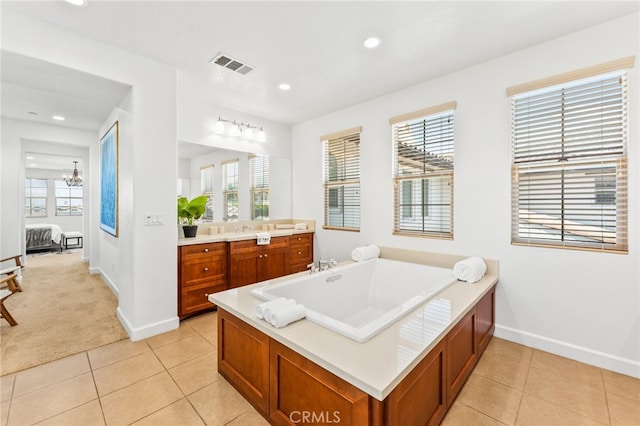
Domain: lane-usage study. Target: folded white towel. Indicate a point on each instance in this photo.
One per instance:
(285, 226)
(300, 226)
(366, 252)
(470, 270)
(265, 310)
(284, 316)
(263, 238)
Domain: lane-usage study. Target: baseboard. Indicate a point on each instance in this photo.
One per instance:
(140, 333)
(105, 278)
(568, 350)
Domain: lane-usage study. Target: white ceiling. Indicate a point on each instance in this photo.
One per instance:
(314, 46)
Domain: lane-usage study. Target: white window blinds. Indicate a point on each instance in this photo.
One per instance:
(341, 159)
(206, 188)
(230, 188)
(259, 176)
(569, 165)
(423, 172)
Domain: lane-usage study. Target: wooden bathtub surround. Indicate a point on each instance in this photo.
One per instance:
(284, 385)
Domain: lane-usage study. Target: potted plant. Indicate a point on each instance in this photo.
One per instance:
(188, 211)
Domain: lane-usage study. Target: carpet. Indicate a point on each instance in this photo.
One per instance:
(61, 311)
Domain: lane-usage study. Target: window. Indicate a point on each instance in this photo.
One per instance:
(230, 188)
(423, 172)
(68, 199)
(206, 188)
(35, 191)
(259, 167)
(569, 179)
(341, 159)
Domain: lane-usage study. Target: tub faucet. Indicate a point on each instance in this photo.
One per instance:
(326, 264)
(312, 268)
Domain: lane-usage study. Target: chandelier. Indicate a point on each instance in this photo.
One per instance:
(75, 179)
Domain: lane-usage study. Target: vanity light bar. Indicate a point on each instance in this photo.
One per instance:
(240, 129)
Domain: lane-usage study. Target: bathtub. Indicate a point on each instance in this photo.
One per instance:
(359, 300)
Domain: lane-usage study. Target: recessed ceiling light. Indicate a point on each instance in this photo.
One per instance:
(284, 86)
(33, 165)
(58, 117)
(31, 158)
(371, 42)
(77, 2)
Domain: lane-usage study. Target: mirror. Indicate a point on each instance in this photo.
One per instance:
(236, 193)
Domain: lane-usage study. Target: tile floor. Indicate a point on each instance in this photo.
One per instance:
(172, 380)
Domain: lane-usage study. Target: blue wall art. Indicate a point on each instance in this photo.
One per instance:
(109, 181)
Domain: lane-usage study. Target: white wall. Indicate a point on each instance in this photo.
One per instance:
(583, 305)
(197, 119)
(19, 137)
(144, 262)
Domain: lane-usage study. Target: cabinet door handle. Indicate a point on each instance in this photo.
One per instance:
(206, 250)
(299, 252)
(260, 256)
(265, 255)
(206, 295)
(206, 269)
(299, 238)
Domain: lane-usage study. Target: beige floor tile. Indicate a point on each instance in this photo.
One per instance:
(510, 369)
(250, 418)
(52, 400)
(89, 414)
(219, 403)
(114, 352)
(489, 397)
(50, 373)
(128, 371)
(579, 373)
(461, 415)
(621, 385)
(183, 350)
(206, 325)
(183, 332)
(134, 402)
(507, 349)
(624, 412)
(536, 412)
(6, 386)
(195, 374)
(569, 392)
(4, 412)
(179, 413)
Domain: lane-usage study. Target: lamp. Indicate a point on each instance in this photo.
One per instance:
(74, 179)
(240, 129)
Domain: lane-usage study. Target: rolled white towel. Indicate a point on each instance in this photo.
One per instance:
(265, 310)
(284, 316)
(470, 270)
(370, 251)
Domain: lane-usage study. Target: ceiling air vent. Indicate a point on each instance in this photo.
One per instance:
(233, 64)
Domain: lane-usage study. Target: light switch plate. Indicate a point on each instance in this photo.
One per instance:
(152, 219)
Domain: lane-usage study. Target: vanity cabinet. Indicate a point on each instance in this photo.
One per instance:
(202, 270)
(250, 263)
(300, 252)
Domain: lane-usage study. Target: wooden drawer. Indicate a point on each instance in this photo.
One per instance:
(300, 240)
(209, 270)
(300, 254)
(196, 251)
(194, 298)
(299, 267)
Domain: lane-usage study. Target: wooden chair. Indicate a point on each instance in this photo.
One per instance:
(8, 287)
(13, 269)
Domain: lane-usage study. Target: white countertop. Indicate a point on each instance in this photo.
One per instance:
(378, 365)
(236, 236)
